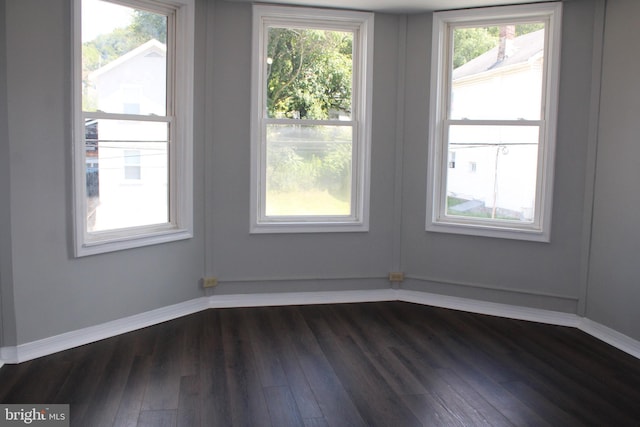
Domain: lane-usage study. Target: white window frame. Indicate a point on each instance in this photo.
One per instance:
(361, 23)
(179, 115)
(436, 219)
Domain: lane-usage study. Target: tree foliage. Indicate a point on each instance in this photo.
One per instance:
(309, 73)
(107, 47)
(309, 76)
(469, 43)
(147, 26)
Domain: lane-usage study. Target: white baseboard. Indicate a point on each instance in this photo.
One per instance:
(301, 298)
(68, 340)
(8, 355)
(490, 308)
(611, 337)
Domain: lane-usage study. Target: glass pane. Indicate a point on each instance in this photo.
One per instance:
(308, 170)
(492, 172)
(123, 59)
(126, 173)
(309, 74)
(497, 72)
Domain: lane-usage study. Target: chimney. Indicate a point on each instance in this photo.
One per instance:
(507, 34)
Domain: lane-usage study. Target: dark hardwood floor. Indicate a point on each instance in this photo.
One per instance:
(370, 364)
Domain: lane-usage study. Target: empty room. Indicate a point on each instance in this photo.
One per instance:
(356, 212)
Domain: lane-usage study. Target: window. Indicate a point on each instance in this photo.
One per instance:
(133, 101)
(494, 92)
(132, 164)
(311, 118)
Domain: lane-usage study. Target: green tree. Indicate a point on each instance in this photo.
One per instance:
(469, 43)
(108, 47)
(309, 73)
(522, 29)
(146, 26)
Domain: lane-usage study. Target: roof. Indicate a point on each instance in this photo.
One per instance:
(522, 50)
(152, 46)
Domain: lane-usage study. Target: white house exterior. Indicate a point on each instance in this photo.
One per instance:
(132, 155)
(489, 88)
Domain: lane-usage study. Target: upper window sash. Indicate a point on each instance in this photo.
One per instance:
(444, 120)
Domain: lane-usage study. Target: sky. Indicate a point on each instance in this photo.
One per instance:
(101, 18)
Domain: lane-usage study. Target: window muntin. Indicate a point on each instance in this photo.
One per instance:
(494, 91)
(311, 120)
(133, 86)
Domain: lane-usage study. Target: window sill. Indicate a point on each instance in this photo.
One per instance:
(531, 232)
(310, 227)
(97, 243)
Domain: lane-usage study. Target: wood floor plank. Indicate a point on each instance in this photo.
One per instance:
(440, 389)
(296, 379)
(477, 363)
(481, 380)
(189, 409)
(366, 364)
(432, 412)
(315, 422)
(214, 391)
(25, 384)
(563, 356)
(133, 393)
(267, 358)
(157, 418)
(12, 376)
(105, 401)
(81, 382)
(551, 375)
(357, 373)
(283, 410)
(334, 401)
(376, 338)
(191, 333)
(541, 404)
(164, 378)
(505, 353)
(246, 399)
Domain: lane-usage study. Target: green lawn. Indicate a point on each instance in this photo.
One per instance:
(305, 203)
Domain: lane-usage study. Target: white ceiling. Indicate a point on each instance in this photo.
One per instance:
(396, 6)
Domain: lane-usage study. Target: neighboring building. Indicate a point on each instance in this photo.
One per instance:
(131, 169)
(500, 83)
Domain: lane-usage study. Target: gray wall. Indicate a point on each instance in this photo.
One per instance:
(614, 292)
(544, 275)
(7, 318)
(46, 291)
(53, 292)
(289, 262)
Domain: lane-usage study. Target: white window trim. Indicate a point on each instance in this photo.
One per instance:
(436, 220)
(180, 72)
(362, 23)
